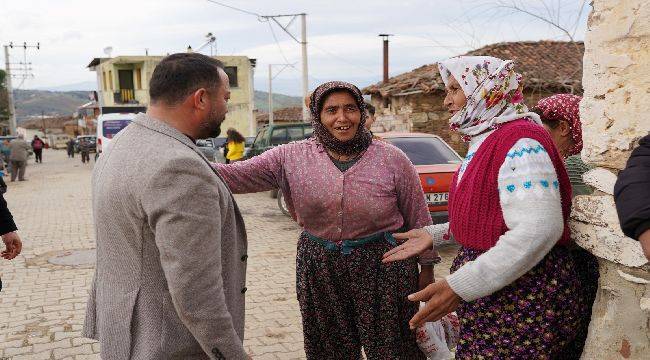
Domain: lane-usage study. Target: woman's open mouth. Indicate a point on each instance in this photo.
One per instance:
(343, 128)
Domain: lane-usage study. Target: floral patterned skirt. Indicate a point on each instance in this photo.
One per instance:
(536, 317)
(353, 301)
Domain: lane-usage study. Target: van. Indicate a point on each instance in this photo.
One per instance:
(108, 125)
(58, 141)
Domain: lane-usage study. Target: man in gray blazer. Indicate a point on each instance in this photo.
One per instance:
(171, 242)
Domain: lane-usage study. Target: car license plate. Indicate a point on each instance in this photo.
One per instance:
(437, 198)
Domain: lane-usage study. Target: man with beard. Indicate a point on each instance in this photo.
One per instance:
(171, 243)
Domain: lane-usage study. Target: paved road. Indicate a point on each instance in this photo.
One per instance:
(42, 304)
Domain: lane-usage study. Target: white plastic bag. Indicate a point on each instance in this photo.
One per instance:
(437, 338)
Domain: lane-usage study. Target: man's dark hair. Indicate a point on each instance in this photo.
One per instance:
(179, 75)
(371, 108)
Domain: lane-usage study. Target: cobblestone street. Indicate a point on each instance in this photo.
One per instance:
(43, 301)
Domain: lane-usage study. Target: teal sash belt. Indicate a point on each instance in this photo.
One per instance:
(346, 246)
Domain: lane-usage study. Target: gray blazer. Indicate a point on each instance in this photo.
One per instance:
(171, 251)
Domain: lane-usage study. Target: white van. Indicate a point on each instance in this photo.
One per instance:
(108, 125)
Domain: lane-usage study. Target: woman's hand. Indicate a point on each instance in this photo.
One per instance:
(416, 242)
(440, 299)
(426, 276)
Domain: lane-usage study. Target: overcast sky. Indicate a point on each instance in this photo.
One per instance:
(342, 35)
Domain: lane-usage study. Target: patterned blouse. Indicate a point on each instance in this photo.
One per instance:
(381, 192)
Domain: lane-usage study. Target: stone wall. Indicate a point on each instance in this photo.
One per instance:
(615, 113)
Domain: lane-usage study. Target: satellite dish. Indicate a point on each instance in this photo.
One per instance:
(108, 50)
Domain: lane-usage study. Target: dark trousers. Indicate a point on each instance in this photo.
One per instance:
(71, 153)
(39, 155)
(18, 169)
(350, 301)
(85, 156)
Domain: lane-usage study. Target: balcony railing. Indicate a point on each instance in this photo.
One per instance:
(125, 96)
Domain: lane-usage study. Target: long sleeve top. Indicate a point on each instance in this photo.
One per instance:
(235, 150)
(7, 224)
(632, 192)
(381, 192)
(532, 214)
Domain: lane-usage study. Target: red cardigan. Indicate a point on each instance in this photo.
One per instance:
(475, 215)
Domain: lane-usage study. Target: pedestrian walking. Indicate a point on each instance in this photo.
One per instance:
(8, 229)
(632, 196)
(70, 148)
(235, 143)
(349, 193)
(5, 152)
(18, 157)
(560, 115)
(513, 282)
(171, 242)
(37, 146)
(84, 150)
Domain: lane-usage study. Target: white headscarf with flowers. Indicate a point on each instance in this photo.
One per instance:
(493, 91)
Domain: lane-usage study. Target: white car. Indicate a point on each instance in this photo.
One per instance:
(108, 125)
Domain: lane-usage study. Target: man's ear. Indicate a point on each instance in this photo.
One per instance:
(200, 99)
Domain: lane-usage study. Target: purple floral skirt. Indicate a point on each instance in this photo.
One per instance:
(536, 317)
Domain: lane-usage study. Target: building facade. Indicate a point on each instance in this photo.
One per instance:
(124, 81)
(413, 101)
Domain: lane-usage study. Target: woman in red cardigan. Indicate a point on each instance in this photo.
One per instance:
(513, 282)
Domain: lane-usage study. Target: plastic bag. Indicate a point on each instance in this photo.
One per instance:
(437, 338)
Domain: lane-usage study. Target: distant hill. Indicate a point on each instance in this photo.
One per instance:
(31, 103)
(51, 103)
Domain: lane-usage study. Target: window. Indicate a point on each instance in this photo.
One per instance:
(112, 127)
(231, 71)
(279, 136)
(308, 132)
(425, 150)
(295, 133)
(260, 140)
(138, 78)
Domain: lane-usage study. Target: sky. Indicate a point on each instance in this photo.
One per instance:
(341, 35)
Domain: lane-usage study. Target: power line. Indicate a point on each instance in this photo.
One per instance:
(236, 9)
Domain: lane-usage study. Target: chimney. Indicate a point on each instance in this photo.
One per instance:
(385, 38)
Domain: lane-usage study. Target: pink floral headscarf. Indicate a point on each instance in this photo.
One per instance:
(564, 107)
(493, 91)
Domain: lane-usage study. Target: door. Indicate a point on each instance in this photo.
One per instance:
(126, 85)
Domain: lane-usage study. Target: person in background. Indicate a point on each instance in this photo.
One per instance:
(5, 152)
(37, 146)
(84, 149)
(349, 193)
(8, 230)
(235, 142)
(560, 115)
(371, 115)
(18, 157)
(513, 281)
(632, 196)
(69, 146)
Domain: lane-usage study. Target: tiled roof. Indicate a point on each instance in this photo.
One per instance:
(551, 65)
(290, 114)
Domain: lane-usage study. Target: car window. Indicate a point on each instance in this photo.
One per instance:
(308, 132)
(112, 127)
(204, 143)
(260, 140)
(279, 136)
(425, 150)
(295, 133)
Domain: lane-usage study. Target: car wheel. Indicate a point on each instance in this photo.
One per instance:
(282, 204)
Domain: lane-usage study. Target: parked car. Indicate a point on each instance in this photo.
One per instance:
(108, 125)
(91, 138)
(270, 136)
(207, 148)
(435, 161)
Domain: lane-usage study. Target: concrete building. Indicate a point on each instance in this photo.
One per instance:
(124, 81)
(413, 101)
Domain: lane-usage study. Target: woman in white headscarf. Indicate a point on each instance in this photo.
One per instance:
(513, 282)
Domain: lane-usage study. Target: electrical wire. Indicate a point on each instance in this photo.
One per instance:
(237, 9)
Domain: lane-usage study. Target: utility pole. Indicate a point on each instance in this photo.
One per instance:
(385, 38)
(303, 44)
(271, 77)
(23, 73)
